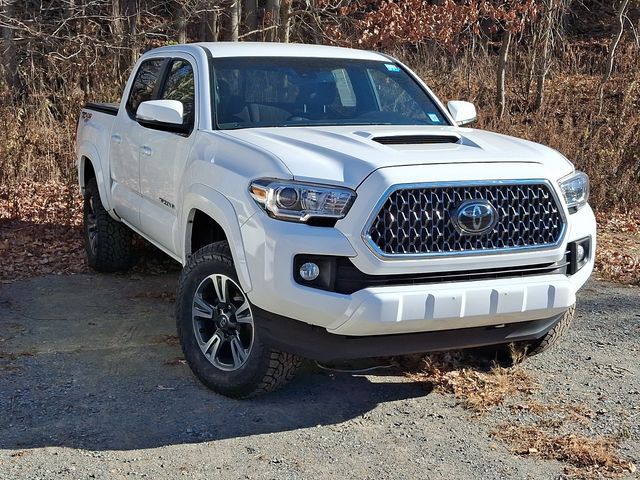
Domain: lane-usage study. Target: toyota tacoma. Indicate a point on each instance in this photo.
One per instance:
(325, 204)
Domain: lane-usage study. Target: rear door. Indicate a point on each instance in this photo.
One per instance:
(126, 139)
(164, 153)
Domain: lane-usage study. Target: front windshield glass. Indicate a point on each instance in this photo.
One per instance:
(283, 92)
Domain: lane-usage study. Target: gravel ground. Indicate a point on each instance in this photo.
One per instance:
(92, 385)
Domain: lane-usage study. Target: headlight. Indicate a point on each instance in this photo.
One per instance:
(299, 202)
(575, 189)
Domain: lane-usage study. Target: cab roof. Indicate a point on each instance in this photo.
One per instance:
(272, 49)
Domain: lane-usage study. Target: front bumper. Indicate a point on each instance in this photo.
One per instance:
(317, 344)
(271, 246)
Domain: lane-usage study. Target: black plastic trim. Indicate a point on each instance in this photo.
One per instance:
(416, 139)
(108, 108)
(345, 278)
(317, 343)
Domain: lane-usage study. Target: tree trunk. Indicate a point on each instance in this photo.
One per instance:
(234, 20)
(117, 32)
(131, 31)
(621, 14)
(543, 67)
(181, 22)
(502, 67)
(251, 16)
(273, 12)
(9, 52)
(285, 20)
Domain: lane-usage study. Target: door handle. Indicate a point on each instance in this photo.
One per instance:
(146, 150)
(115, 138)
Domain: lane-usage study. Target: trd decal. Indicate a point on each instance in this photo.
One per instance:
(167, 203)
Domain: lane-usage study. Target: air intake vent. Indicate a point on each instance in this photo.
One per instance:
(416, 139)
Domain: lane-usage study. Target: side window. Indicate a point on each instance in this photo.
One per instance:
(180, 86)
(144, 84)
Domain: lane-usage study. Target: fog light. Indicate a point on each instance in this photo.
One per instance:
(309, 271)
(580, 253)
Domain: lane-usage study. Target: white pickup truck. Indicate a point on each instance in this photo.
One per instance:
(325, 204)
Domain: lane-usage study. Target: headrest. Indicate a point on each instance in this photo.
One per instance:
(317, 93)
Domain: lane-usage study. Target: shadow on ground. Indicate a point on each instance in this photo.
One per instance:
(91, 362)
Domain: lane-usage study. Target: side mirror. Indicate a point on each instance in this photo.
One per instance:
(162, 115)
(463, 113)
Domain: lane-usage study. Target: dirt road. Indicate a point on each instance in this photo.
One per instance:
(92, 385)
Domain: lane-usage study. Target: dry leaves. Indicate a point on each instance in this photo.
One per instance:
(550, 430)
(478, 390)
(41, 234)
(586, 457)
(618, 249)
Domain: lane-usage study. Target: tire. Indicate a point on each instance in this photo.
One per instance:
(552, 336)
(107, 241)
(217, 330)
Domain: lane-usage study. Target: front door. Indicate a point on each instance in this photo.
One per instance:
(125, 141)
(163, 155)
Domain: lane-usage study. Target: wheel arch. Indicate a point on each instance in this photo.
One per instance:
(89, 162)
(206, 208)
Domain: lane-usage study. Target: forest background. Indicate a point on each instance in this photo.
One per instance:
(565, 73)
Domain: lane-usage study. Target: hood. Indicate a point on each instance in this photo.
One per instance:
(346, 155)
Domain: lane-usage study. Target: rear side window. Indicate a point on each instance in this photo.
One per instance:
(180, 86)
(144, 84)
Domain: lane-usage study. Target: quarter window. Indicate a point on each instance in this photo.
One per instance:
(144, 84)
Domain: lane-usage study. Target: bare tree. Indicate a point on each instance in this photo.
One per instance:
(131, 29)
(251, 16)
(286, 17)
(621, 14)
(273, 13)
(548, 31)
(234, 13)
(9, 51)
(181, 21)
(502, 67)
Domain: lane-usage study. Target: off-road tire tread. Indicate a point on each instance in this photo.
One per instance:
(114, 238)
(281, 367)
(553, 336)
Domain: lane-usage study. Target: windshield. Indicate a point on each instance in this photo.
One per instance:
(283, 92)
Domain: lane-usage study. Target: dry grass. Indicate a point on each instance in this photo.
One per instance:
(545, 430)
(618, 256)
(40, 234)
(475, 388)
(586, 457)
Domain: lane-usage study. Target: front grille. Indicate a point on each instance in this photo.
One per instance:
(417, 220)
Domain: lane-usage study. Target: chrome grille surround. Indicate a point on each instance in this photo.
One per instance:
(536, 222)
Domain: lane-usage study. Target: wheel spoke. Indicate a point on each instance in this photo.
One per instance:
(238, 352)
(221, 285)
(243, 313)
(213, 344)
(202, 308)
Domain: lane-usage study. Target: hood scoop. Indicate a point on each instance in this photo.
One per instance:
(416, 139)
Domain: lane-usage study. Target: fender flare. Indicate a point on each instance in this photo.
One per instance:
(89, 153)
(219, 208)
